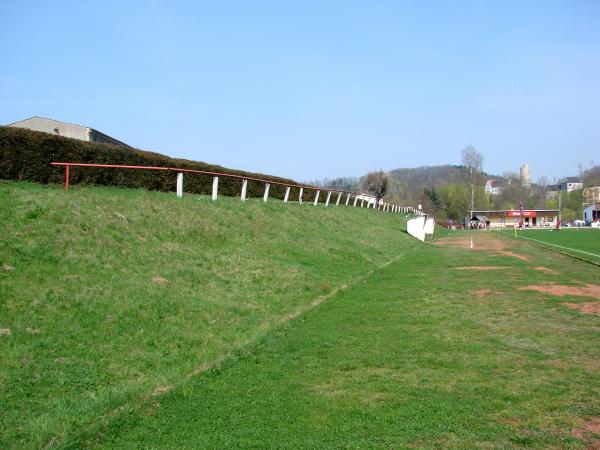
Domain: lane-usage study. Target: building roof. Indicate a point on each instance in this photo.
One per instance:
(511, 210)
(71, 124)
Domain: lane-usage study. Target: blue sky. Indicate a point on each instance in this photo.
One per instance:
(315, 89)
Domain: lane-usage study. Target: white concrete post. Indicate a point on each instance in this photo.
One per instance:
(338, 199)
(355, 200)
(348, 199)
(266, 196)
(244, 187)
(215, 188)
(362, 201)
(317, 198)
(300, 196)
(179, 184)
(287, 194)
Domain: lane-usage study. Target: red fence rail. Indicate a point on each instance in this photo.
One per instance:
(378, 203)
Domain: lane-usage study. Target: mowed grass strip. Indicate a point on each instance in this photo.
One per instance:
(420, 355)
(109, 296)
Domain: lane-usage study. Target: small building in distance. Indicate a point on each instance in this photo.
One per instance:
(571, 184)
(64, 129)
(591, 205)
(492, 187)
(509, 218)
(591, 213)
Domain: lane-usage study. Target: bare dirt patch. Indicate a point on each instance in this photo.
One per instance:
(481, 293)
(160, 280)
(481, 268)
(515, 255)
(546, 270)
(586, 307)
(589, 428)
(482, 242)
(162, 390)
(587, 290)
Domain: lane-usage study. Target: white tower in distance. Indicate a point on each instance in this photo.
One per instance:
(525, 175)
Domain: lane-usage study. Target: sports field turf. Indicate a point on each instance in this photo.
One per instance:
(443, 346)
(580, 242)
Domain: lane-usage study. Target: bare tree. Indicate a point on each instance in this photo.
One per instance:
(377, 183)
(472, 162)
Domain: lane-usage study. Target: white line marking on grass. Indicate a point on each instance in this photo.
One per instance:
(560, 246)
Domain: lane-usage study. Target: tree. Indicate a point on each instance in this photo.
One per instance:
(473, 174)
(431, 201)
(377, 183)
(591, 177)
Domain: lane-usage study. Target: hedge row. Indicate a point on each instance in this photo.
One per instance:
(26, 155)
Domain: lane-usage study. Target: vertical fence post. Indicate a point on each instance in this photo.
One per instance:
(317, 197)
(338, 199)
(244, 188)
(328, 198)
(67, 178)
(362, 201)
(300, 195)
(287, 194)
(215, 188)
(355, 200)
(348, 199)
(266, 196)
(179, 184)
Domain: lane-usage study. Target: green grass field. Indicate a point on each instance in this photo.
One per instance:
(136, 320)
(581, 242)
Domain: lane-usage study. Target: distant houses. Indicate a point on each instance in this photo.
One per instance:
(493, 187)
(65, 129)
(591, 205)
(571, 184)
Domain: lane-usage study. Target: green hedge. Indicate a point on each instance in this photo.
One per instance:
(26, 155)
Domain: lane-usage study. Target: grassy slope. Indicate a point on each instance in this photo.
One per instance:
(409, 358)
(108, 294)
(585, 239)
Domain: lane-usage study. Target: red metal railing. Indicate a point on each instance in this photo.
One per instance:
(385, 205)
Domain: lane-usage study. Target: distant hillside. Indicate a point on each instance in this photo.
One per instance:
(411, 182)
(408, 182)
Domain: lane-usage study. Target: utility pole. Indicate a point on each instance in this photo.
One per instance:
(472, 196)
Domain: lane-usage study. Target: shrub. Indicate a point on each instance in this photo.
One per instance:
(26, 155)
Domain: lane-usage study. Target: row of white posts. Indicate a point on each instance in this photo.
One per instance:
(381, 205)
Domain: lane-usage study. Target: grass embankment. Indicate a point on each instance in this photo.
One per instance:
(580, 242)
(440, 349)
(110, 297)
